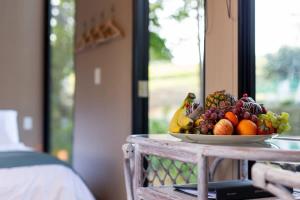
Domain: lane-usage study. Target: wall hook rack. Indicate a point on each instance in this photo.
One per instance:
(99, 33)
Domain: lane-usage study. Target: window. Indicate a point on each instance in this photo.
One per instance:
(269, 55)
(169, 52)
(61, 78)
(176, 57)
(277, 51)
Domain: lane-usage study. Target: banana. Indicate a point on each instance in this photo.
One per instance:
(174, 126)
(180, 122)
(185, 122)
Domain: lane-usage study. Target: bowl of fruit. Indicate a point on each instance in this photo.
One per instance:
(226, 119)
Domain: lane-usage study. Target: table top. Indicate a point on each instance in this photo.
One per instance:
(275, 149)
(282, 143)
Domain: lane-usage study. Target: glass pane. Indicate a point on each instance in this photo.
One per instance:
(176, 53)
(62, 78)
(278, 57)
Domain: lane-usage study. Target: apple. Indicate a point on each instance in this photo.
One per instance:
(223, 127)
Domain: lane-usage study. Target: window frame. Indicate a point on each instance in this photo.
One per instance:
(47, 77)
(140, 58)
(246, 47)
(246, 52)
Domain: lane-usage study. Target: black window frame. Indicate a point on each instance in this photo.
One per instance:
(140, 59)
(47, 77)
(246, 52)
(246, 47)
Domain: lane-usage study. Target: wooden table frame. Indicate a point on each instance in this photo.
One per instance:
(188, 152)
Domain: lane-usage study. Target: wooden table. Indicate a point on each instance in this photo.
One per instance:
(172, 148)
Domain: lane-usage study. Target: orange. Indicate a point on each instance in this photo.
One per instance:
(246, 127)
(232, 118)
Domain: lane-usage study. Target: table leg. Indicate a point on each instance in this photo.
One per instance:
(137, 175)
(128, 151)
(244, 169)
(202, 167)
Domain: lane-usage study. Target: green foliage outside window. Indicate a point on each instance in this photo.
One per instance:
(161, 58)
(283, 65)
(62, 77)
(158, 49)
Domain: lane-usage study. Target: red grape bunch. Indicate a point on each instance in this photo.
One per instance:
(209, 119)
(243, 108)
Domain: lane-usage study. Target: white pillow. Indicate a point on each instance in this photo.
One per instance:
(9, 133)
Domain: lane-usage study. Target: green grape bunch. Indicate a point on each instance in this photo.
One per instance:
(273, 123)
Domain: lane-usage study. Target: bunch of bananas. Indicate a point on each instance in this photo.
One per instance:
(181, 121)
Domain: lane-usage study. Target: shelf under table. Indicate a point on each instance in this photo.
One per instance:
(168, 193)
(162, 193)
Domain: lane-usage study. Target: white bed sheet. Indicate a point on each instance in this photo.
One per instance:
(14, 147)
(43, 182)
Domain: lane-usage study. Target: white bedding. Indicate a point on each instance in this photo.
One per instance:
(14, 147)
(43, 182)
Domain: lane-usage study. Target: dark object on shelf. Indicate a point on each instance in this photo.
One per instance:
(228, 190)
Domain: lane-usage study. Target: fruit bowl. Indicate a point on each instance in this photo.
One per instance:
(224, 115)
(222, 139)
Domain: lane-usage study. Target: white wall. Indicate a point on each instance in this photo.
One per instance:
(103, 113)
(21, 63)
(221, 47)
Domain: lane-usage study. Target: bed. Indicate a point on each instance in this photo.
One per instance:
(26, 174)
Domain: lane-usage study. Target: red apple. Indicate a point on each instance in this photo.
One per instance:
(223, 127)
